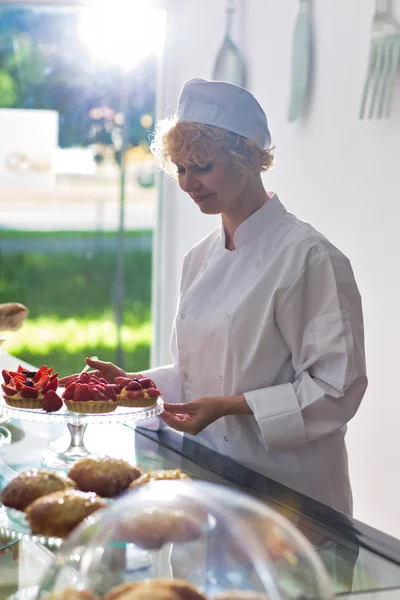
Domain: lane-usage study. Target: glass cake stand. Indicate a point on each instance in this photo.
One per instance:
(64, 458)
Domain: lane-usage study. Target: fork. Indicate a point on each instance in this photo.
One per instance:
(383, 63)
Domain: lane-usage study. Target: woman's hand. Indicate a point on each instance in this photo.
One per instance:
(194, 416)
(106, 370)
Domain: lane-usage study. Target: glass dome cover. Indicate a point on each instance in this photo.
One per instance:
(209, 536)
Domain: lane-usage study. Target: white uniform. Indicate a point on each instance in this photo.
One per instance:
(279, 319)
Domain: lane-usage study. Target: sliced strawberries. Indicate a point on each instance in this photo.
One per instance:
(6, 376)
(28, 392)
(153, 392)
(9, 391)
(82, 393)
(133, 385)
(124, 381)
(110, 391)
(146, 383)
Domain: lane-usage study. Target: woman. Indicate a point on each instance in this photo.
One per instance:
(268, 358)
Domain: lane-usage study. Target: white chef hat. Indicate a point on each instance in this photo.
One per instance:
(226, 106)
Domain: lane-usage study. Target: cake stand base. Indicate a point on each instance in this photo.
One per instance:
(57, 458)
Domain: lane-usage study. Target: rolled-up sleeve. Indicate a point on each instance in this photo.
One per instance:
(320, 318)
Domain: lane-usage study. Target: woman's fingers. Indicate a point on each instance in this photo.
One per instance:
(178, 409)
(95, 364)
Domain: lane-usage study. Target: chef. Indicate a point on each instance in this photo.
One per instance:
(267, 353)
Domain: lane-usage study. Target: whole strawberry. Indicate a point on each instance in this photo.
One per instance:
(51, 401)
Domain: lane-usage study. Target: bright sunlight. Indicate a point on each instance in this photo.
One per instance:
(122, 32)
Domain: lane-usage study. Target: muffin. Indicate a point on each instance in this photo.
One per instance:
(30, 485)
(136, 393)
(106, 476)
(155, 527)
(90, 394)
(12, 315)
(27, 389)
(71, 594)
(162, 475)
(156, 589)
(57, 514)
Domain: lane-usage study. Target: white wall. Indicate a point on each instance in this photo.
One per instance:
(337, 172)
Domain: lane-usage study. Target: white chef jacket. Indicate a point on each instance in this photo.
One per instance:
(278, 319)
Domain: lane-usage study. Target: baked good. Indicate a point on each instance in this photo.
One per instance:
(30, 485)
(106, 476)
(71, 594)
(57, 514)
(162, 475)
(27, 389)
(156, 589)
(155, 527)
(240, 595)
(135, 393)
(12, 315)
(90, 394)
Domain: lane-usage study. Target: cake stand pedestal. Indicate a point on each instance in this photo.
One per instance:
(59, 455)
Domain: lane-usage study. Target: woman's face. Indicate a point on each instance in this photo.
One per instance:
(219, 187)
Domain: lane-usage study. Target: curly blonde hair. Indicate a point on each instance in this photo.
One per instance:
(184, 142)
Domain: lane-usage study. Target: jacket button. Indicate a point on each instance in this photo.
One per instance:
(258, 263)
(221, 377)
(227, 315)
(226, 438)
(185, 375)
(182, 316)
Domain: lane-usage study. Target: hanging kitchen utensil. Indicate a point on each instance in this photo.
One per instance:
(384, 61)
(230, 64)
(301, 62)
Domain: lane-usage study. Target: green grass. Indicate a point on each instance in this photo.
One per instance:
(71, 299)
(64, 343)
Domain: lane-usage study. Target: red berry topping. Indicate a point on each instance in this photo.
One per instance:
(153, 392)
(52, 385)
(146, 382)
(97, 393)
(84, 378)
(133, 385)
(82, 393)
(51, 401)
(28, 392)
(9, 391)
(6, 376)
(110, 391)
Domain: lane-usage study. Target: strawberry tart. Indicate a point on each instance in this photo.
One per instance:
(136, 393)
(31, 389)
(90, 394)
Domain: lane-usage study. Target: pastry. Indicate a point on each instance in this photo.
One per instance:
(240, 595)
(57, 514)
(162, 475)
(155, 527)
(30, 485)
(90, 394)
(156, 589)
(27, 389)
(12, 315)
(136, 392)
(106, 476)
(71, 594)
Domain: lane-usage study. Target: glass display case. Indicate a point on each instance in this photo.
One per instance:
(358, 559)
(166, 529)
